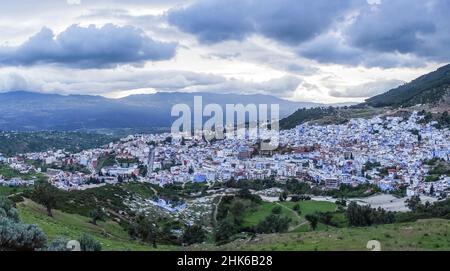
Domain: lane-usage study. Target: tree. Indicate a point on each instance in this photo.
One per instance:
(120, 179)
(237, 209)
(45, 194)
(277, 210)
(87, 243)
(273, 224)
(98, 214)
(296, 207)
(168, 140)
(432, 190)
(283, 196)
(224, 230)
(144, 229)
(143, 170)
(313, 221)
(413, 203)
(193, 235)
(362, 216)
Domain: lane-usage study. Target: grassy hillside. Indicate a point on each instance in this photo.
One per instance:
(12, 143)
(329, 115)
(431, 234)
(252, 218)
(427, 89)
(111, 235)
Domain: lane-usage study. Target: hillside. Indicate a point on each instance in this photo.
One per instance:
(110, 234)
(12, 143)
(328, 115)
(429, 234)
(27, 111)
(431, 88)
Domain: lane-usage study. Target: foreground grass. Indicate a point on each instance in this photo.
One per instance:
(110, 234)
(430, 234)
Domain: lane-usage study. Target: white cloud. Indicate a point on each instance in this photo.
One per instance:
(74, 2)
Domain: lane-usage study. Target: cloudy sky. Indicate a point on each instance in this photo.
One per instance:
(302, 50)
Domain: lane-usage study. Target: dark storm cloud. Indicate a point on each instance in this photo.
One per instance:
(404, 26)
(288, 21)
(390, 33)
(88, 47)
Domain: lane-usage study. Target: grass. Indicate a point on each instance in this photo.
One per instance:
(311, 207)
(140, 189)
(6, 191)
(8, 173)
(252, 218)
(110, 234)
(430, 234)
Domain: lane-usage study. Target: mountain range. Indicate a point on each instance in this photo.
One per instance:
(30, 111)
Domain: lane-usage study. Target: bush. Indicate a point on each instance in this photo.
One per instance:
(194, 235)
(15, 235)
(59, 244)
(87, 243)
(277, 210)
(361, 216)
(224, 231)
(273, 224)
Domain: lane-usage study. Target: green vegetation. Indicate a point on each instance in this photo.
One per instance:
(8, 173)
(419, 210)
(430, 234)
(14, 235)
(438, 168)
(106, 160)
(247, 213)
(327, 115)
(82, 202)
(7, 191)
(427, 89)
(12, 143)
(443, 120)
(360, 216)
(142, 190)
(194, 235)
(72, 226)
(253, 217)
(304, 115)
(348, 191)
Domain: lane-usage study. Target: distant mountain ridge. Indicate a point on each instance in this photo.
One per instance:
(431, 88)
(30, 111)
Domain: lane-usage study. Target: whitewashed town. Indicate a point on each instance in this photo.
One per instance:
(391, 153)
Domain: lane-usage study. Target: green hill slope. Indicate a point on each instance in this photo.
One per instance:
(430, 234)
(427, 89)
(110, 234)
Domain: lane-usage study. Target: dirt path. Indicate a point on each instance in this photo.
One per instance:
(300, 219)
(216, 209)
